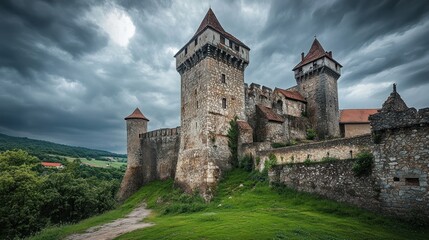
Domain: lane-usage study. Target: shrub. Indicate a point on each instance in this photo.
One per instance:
(363, 164)
(376, 138)
(271, 162)
(233, 141)
(307, 161)
(246, 162)
(311, 134)
(329, 159)
(278, 145)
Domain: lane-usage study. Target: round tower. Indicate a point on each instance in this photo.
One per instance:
(133, 179)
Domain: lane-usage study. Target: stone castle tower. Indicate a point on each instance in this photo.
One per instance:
(316, 76)
(211, 66)
(136, 125)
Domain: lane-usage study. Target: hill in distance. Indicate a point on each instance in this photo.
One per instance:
(39, 147)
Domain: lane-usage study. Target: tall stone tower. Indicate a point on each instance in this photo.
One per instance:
(134, 175)
(211, 66)
(316, 76)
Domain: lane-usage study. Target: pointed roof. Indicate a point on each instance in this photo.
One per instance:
(356, 115)
(137, 114)
(269, 114)
(316, 52)
(394, 102)
(210, 21)
(291, 94)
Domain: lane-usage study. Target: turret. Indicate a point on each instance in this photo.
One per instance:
(316, 76)
(136, 125)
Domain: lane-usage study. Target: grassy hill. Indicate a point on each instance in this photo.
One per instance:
(39, 148)
(247, 208)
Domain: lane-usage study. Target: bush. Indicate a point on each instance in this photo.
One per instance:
(311, 134)
(329, 159)
(363, 164)
(271, 162)
(246, 162)
(233, 141)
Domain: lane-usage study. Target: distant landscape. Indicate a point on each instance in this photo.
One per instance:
(34, 196)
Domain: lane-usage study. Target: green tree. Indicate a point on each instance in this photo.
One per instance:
(233, 141)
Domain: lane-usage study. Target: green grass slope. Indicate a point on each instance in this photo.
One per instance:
(245, 208)
(39, 147)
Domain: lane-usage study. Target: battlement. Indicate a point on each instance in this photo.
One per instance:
(257, 90)
(163, 132)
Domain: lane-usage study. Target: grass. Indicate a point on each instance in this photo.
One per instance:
(248, 209)
(97, 163)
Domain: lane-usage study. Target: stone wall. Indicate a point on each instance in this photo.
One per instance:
(354, 129)
(343, 148)
(334, 180)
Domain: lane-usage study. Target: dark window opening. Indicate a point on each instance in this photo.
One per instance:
(223, 78)
(186, 50)
(195, 92)
(222, 39)
(196, 41)
(412, 182)
(237, 48)
(396, 179)
(230, 43)
(223, 103)
(197, 104)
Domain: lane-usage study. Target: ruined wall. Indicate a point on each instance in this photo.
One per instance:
(334, 180)
(337, 148)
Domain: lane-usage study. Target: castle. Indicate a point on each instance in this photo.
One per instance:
(213, 92)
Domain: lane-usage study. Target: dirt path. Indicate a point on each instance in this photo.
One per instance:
(116, 228)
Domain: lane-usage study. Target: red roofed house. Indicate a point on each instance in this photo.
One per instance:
(354, 122)
(52, 165)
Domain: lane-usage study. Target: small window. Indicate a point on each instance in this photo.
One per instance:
(395, 179)
(230, 43)
(186, 50)
(412, 182)
(224, 103)
(237, 48)
(197, 104)
(223, 78)
(196, 41)
(222, 39)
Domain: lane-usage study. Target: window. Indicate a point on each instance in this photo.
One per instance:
(412, 182)
(186, 50)
(223, 78)
(197, 104)
(222, 39)
(224, 103)
(237, 48)
(196, 41)
(396, 179)
(230, 43)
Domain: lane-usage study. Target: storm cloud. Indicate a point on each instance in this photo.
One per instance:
(70, 71)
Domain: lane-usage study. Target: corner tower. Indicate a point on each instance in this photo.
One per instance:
(316, 76)
(211, 66)
(133, 178)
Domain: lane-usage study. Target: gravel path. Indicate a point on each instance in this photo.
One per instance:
(116, 228)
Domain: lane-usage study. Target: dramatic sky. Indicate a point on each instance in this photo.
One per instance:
(70, 71)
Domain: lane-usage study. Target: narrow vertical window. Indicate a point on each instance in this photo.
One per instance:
(197, 104)
(222, 39)
(230, 43)
(223, 78)
(186, 50)
(223, 103)
(196, 41)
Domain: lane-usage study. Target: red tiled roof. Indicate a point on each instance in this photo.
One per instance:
(269, 114)
(137, 114)
(316, 52)
(210, 21)
(294, 95)
(51, 164)
(244, 125)
(356, 115)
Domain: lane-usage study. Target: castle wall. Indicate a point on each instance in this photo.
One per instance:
(334, 180)
(344, 148)
(355, 129)
(398, 183)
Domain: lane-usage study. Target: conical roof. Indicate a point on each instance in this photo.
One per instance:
(394, 102)
(210, 21)
(316, 52)
(137, 114)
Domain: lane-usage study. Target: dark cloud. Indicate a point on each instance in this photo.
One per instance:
(64, 78)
